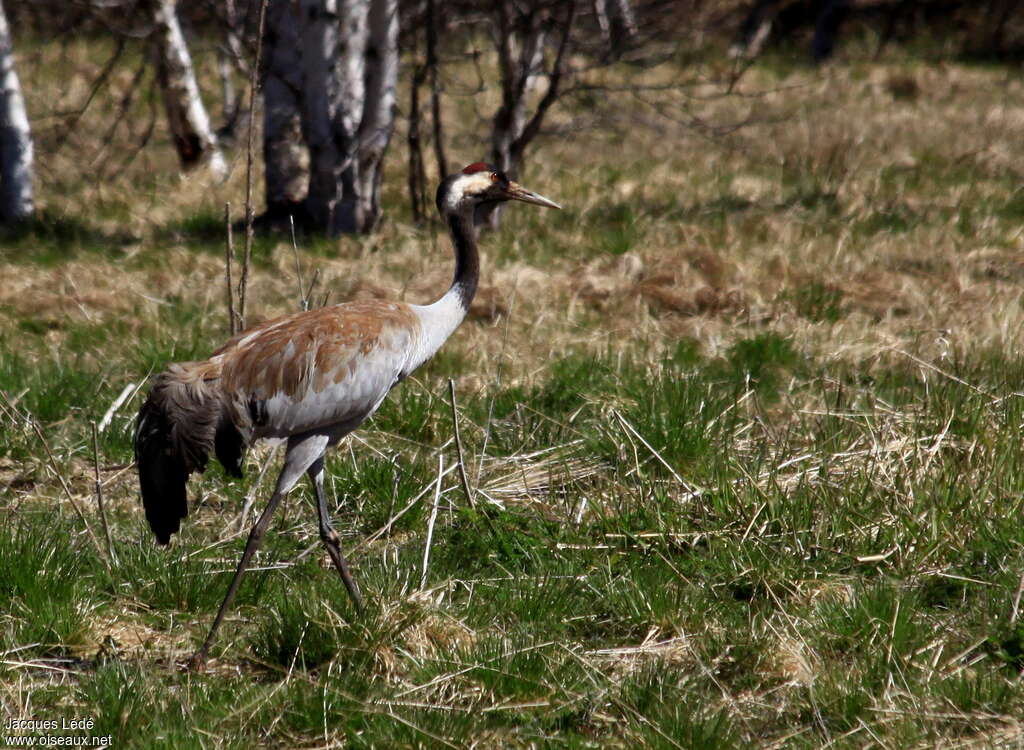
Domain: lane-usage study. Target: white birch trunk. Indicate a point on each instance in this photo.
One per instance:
(333, 60)
(16, 202)
(228, 95)
(617, 22)
(229, 59)
(510, 122)
(755, 30)
(379, 108)
(189, 122)
(350, 70)
(285, 156)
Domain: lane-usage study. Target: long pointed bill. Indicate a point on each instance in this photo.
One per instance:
(517, 192)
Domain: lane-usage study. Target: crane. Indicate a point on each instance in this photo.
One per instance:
(310, 378)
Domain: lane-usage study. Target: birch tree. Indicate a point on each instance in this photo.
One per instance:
(521, 38)
(350, 67)
(378, 121)
(828, 16)
(617, 22)
(229, 59)
(285, 156)
(16, 202)
(189, 123)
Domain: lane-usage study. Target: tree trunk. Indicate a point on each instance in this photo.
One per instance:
(826, 28)
(333, 66)
(285, 156)
(617, 22)
(350, 64)
(416, 174)
(520, 40)
(16, 203)
(189, 123)
(433, 65)
(519, 78)
(755, 29)
(229, 56)
(379, 108)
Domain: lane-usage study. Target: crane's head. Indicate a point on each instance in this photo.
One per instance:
(481, 183)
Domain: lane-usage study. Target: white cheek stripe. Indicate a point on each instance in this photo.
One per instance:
(477, 182)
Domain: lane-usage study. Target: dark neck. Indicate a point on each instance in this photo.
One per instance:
(467, 259)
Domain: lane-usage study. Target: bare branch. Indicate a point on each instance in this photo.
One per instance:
(551, 95)
(253, 86)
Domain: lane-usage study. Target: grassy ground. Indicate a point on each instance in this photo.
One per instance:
(743, 423)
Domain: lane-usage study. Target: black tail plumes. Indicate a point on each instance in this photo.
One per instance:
(180, 424)
(162, 472)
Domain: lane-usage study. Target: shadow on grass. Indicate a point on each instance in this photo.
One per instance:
(206, 231)
(50, 238)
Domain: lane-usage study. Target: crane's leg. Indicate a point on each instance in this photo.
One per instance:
(329, 536)
(301, 453)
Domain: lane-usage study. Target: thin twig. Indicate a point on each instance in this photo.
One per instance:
(435, 91)
(458, 447)
(630, 429)
(64, 131)
(394, 519)
(943, 373)
(580, 510)
(99, 492)
(125, 394)
(250, 498)
(229, 262)
(249, 214)
(312, 285)
(432, 521)
(303, 299)
(1016, 601)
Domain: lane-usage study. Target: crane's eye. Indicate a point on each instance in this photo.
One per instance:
(494, 177)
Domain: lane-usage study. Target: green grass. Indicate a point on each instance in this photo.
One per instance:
(788, 517)
(48, 618)
(645, 624)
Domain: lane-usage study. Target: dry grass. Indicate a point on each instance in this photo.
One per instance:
(838, 135)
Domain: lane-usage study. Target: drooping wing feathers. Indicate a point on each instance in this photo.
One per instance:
(174, 436)
(325, 369)
(229, 445)
(162, 473)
